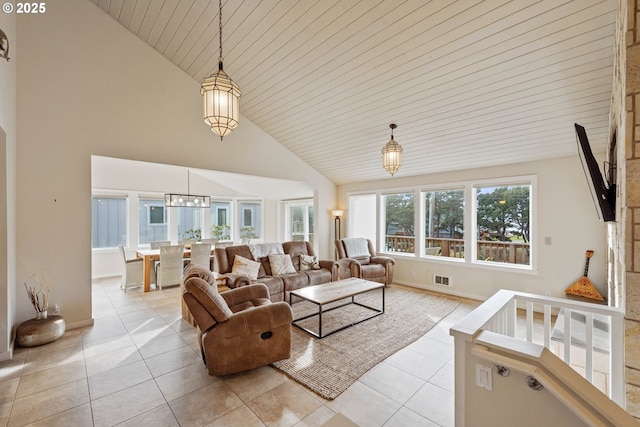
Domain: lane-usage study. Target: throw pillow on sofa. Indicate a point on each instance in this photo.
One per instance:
(309, 262)
(245, 267)
(281, 264)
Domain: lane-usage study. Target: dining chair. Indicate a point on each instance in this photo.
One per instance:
(156, 245)
(170, 267)
(131, 271)
(212, 259)
(213, 241)
(201, 254)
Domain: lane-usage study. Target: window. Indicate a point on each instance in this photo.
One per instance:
(189, 223)
(152, 221)
(108, 222)
(362, 216)
(503, 224)
(299, 221)
(220, 217)
(487, 222)
(250, 219)
(399, 222)
(444, 223)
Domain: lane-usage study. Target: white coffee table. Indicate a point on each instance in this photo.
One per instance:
(332, 292)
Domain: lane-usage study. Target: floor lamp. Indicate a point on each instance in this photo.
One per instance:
(337, 213)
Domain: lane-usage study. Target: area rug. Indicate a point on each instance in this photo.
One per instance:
(328, 366)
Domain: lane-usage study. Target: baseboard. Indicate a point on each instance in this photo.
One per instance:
(106, 276)
(442, 289)
(6, 355)
(79, 324)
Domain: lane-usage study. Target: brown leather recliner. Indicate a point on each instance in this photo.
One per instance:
(357, 258)
(240, 329)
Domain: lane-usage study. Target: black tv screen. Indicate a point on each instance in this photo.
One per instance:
(603, 194)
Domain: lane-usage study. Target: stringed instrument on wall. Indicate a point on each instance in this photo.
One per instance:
(583, 287)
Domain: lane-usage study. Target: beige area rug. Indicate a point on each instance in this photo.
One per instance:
(328, 366)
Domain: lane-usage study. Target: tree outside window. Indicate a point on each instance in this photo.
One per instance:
(220, 219)
(399, 222)
(503, 224)
(444, 223)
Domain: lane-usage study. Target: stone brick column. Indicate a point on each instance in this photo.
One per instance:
(631, 205)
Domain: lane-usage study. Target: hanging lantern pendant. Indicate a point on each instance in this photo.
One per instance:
(392, 154)
(220, 96)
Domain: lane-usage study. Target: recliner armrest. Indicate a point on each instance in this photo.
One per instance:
(259, 319)
(384, 260)
(236, 280)
(245, 293)
(330, 265)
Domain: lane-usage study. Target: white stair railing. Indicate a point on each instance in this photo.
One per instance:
(499, 314)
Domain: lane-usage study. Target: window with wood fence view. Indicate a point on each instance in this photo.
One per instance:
(502, 223)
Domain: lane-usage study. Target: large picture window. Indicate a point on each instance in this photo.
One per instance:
(299, 221)
(482, 222)
(108, 222)
(152, 221)
(189, 223)
(250, 213)
(399, 222)
(503, 224)
(220, 219)
(444, 223)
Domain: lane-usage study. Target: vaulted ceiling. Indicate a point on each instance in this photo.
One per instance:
(469, 83)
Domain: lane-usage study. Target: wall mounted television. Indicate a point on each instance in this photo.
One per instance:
(603, 193)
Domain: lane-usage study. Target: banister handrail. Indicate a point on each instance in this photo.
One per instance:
(498, 314)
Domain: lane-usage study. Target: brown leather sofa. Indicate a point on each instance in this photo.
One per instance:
(357, 258)
(279, 286)
(240, 329)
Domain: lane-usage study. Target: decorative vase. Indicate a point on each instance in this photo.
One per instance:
(41, 315)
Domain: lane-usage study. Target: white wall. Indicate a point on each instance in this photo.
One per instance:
(86, 86)
(565, 212)
(8, 181)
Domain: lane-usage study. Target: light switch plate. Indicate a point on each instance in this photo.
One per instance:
(483, 377)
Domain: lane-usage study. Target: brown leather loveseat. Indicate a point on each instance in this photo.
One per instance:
(303, 272)
(240, 329)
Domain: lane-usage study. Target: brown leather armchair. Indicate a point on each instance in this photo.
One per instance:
(357, 258)
(240, 329)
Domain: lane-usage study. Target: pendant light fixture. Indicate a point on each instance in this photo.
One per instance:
(392, 154)
(186, 200)
(221, 103)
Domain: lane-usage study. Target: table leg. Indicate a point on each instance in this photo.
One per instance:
(147, 273)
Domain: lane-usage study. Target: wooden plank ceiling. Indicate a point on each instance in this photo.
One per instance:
(469, 83)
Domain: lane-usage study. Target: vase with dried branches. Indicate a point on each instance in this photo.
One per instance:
(39, 293)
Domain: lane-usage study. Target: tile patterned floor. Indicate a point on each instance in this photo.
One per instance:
(139, 365)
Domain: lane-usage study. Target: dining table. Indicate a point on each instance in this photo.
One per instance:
(149, 257)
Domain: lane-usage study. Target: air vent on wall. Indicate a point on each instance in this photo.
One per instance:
(442, 280)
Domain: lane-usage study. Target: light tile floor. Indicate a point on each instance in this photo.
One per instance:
(140, 365)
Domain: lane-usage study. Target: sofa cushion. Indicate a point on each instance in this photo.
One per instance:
(281, 264)
(209, 298)
(295, 281)
(309, 262)
(275, 286)
(245, 267)
(318, 277)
